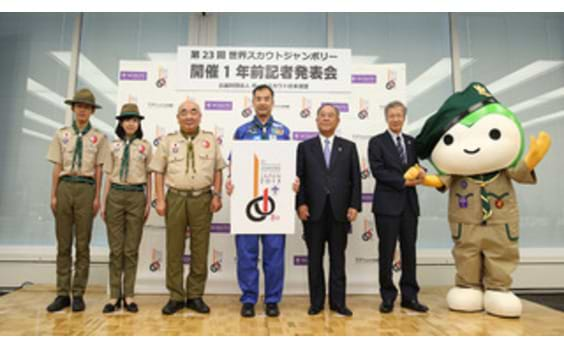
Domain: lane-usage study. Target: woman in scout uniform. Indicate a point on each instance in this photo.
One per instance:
(475, 143)
(77, 153)
(127, 200)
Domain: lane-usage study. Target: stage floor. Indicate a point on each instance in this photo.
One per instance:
(23, 313)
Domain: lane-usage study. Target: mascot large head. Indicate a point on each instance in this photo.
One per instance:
(471, 134)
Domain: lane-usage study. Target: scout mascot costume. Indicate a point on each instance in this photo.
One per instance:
(476, 145)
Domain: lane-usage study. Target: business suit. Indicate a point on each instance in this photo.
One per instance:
(396, 210)
(328, 191)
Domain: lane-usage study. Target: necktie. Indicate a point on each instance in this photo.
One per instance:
(77, 157)
(400, 150)
(327, 152)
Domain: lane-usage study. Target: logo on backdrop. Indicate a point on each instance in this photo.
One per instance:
(247, 108)
(300, 260)
(219, 131)
(162, 77)
(268, 175)
(217, 260)
(159, 134)
(392, 79)
(156, 260)
(186, 259)
(363, 108)
(133, 76)
(364, 170)
(132, 99)
(368, 231)
(306, 108)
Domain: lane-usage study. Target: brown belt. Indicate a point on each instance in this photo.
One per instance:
(190, 193)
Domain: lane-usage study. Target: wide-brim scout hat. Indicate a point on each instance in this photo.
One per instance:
(454, 109)
(129, 110)
(83, 96)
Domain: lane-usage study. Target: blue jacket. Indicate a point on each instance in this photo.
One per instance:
(255, 130)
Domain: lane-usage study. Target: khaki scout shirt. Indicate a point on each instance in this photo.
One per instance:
(464, 197)
(140, 154)
(94, 150)
(171, 160)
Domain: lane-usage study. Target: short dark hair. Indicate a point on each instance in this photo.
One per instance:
(92, 107)
(261, 87)
(120, 132)
(395, 104)
(337, 111)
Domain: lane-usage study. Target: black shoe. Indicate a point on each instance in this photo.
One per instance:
(386, 307)
(110, 308)
(314, 310)
(415, 306)
(272, 310)
(343, 311)
(60, 303)
(248, 310)
(198, 305)
(78, 304)
(172, 307)
(130, 307)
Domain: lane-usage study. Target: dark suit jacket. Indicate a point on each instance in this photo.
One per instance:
(390, 194)
(341, 181)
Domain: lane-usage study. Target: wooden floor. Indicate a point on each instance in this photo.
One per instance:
(23, 313)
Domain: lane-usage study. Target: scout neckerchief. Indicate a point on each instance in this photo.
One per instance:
(77, 157)
(264, 133)
(190, 156)
(124, 169)
(483, 180)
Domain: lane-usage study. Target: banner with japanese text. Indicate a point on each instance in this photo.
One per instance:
(284, 69)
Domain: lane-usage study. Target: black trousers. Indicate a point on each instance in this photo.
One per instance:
(316, 234)
(389, 229)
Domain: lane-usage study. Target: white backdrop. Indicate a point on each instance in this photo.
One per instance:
(152, 84)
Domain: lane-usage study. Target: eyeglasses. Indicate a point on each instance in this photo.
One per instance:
(193, 112)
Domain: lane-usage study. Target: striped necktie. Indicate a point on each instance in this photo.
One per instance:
(400, 150)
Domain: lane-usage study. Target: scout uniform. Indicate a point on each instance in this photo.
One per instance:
(188, 163)
(484, 220)
(273, 245)
(127, 165)
(78, 153)
(482, 212)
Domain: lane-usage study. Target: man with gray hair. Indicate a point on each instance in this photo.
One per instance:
(190, 163)
(395, 208)
(328, 200)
